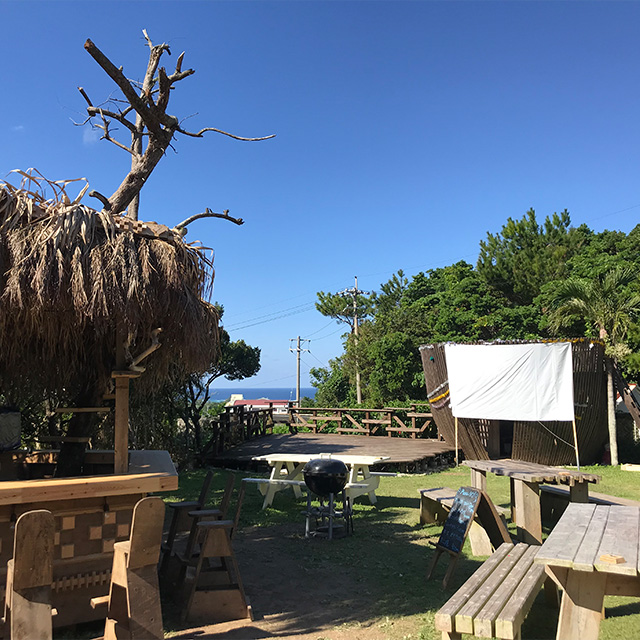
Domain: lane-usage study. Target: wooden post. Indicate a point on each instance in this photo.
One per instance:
(121, 437)
(528, 520)
(456, 441)
(575, 442)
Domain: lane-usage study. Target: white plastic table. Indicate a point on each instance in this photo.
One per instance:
(286, 471)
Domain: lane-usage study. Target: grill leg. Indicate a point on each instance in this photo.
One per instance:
(331, 506)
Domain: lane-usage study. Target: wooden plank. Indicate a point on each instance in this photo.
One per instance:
(591, 532)
(510, 619)
(464, 618)
(564, 541)
(581, 607)
(148, 518)
(490, 520)
(30, 576)
(55, 489)
(445, 617)
(483, 623)
(479, 479)
(620, 538)
(528, 518)
(121, 428)
(84, 440)
(82, 410)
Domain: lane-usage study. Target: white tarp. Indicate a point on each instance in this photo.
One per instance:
(511, 381)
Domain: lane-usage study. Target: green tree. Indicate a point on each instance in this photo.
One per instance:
(608, 304)
(333, 385)
(189, 397)
(524, 255)
(341, 309)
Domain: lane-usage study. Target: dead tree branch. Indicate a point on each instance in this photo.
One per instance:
(149, 101)
(181, 227)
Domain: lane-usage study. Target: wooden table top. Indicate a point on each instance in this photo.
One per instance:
(531, 471)
(588, 537)
(272, 458)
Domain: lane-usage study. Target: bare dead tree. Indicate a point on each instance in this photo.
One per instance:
(143, 113)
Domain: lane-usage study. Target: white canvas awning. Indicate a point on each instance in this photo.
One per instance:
(528, 382)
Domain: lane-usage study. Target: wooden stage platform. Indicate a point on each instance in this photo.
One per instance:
(406, 454)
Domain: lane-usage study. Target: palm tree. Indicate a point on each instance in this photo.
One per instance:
(607, 305)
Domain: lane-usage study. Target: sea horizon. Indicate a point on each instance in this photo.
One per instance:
(221, 394)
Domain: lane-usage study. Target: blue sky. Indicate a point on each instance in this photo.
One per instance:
(405, 132)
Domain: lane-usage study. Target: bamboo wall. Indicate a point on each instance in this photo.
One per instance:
(549, 443)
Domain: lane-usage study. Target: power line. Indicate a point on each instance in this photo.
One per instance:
(318, 359)
(321, 329)
(241, 325)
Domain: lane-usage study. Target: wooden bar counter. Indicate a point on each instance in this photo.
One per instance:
(91, 513)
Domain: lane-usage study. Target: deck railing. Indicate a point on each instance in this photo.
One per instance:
(389, 421)
(236, 425)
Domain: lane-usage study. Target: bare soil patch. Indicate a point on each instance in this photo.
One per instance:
(297, 595)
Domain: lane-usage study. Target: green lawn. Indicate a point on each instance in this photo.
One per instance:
(389, 551)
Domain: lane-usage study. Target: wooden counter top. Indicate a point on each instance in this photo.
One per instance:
(149, 472)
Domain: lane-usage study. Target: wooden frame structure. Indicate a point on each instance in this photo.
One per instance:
(550, 444)
(91, 515)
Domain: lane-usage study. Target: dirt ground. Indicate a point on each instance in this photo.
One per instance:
(294, 600)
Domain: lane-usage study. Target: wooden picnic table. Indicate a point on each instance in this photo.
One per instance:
(526, 478)
(286, 471)
(593, 551)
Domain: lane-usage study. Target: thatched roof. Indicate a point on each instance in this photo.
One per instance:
(69, 275)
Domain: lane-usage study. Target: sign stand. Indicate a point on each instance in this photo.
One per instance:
(469, 504)
(455, 530)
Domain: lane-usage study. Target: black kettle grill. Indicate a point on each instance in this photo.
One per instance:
(325, 476)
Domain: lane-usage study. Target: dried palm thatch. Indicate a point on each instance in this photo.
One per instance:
(70, 277)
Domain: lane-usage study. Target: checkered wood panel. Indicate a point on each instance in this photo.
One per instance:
(90, 533)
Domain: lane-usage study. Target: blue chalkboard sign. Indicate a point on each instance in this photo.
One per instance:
(457, 524)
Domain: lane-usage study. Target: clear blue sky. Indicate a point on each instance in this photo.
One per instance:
(405, 132)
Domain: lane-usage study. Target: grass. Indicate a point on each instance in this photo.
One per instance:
(389, 553)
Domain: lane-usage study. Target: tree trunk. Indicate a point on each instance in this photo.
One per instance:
(71, 456)
(611, 413)
(135, 179)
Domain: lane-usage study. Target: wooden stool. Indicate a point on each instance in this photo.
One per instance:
(181, 521)
(214, 591)
(134, 596)
(27, 609)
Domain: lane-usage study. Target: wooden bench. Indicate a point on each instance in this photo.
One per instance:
(268, 481)
(554, 500)
(496, 599)
(435, 505)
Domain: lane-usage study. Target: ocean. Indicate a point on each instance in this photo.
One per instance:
(254, 393)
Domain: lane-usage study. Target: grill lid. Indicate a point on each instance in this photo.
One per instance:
(325, 475)
(326, 467)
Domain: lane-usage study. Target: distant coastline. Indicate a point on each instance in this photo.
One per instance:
(253, 393)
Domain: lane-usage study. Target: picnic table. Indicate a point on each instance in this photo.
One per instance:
(286, 471)
(526, 478)
(592, 552)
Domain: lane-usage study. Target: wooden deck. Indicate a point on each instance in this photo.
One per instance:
(406, 454)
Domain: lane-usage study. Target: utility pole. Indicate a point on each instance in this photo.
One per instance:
(298, 351)
(355, 292)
